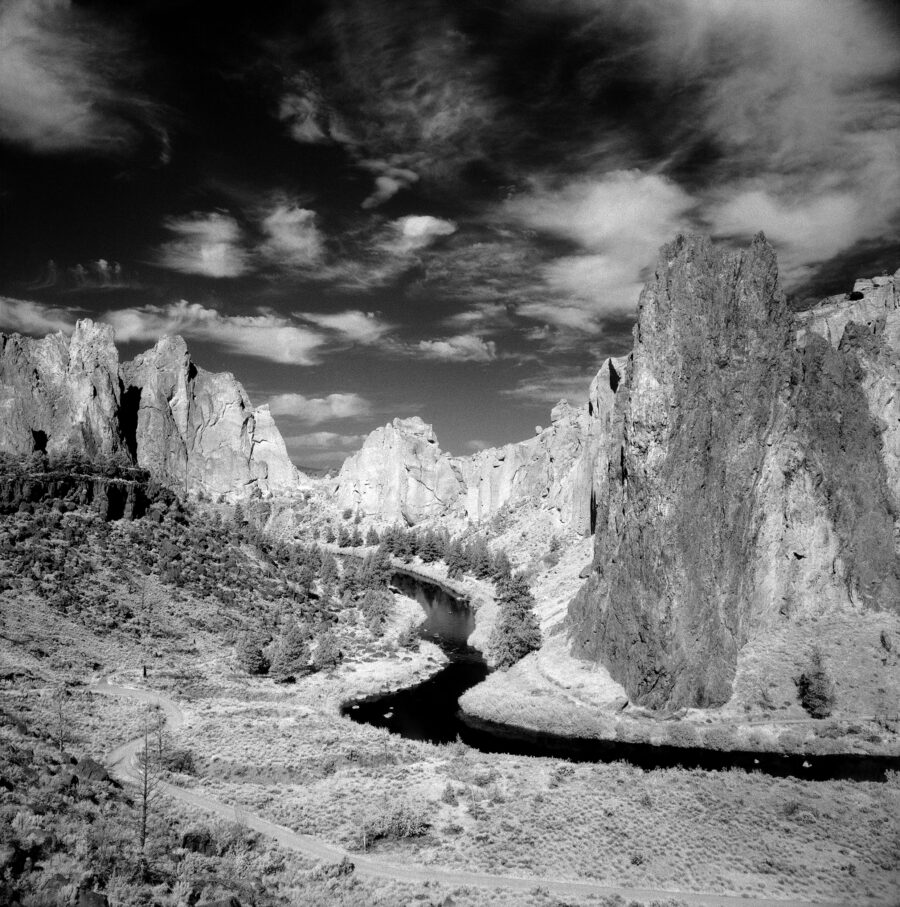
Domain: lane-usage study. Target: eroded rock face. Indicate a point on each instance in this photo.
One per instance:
(191, 429)
(60, 394)
(197, 429)
(399, 475)
(749, 481)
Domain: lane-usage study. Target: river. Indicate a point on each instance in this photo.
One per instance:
(430, 711)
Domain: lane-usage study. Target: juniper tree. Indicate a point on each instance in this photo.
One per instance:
(291, 658)
(516, 632)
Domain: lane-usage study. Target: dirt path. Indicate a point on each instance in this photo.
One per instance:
(121, 761)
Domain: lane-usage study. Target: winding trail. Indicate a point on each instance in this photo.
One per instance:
(122, 761)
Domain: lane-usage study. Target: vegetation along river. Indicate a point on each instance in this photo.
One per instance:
(430, 711)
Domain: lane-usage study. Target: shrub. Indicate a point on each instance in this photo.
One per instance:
(816, 688)
(681, 734)
(328, 654)
(409, 636)
(400, 822)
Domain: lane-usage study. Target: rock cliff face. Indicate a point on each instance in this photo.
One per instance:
(748, 476)
(401, 475)
(190, 429)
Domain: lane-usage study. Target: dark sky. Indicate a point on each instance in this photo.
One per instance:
(367, 209)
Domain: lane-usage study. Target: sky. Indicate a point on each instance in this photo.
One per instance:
(376, 208)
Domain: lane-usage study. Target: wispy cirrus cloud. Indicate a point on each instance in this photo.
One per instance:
(264, 335)
(210, 244)
(315, 410)
(27, 317)
(459, 348)
(353, 325)
(62, 74)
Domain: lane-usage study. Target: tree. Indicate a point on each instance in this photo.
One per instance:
(501, 568)
(517, 631)
(291, 658)
(376, 569)
(815, 687)
(149, 778)
(249, 654)
(60, 717)
(455, 559)
(376, 606)
(328, 654)
(480, 558)
(372, 536)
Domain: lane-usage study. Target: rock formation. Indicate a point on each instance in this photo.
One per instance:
(749, 474)
(401, 474)
(191, 429)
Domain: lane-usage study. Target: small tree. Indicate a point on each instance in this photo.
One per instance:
(372, 536)
(60, 717)
(249, 654)
(516, 632)
(376, 606)
(328, 654)
(291, 658)
(816, 688)
(149, 778)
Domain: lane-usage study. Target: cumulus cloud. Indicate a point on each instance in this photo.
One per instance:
(209, 244)
(618, 220)
(27, 317)
(460, 348)
(59, 72)
(293, 238)
(264, 335)
(353, 325)
(314, 410)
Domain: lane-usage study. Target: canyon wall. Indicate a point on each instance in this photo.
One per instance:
(401, 475)
(750, 472)
(191, 429)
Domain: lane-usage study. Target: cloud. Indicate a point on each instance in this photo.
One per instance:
(415, 232)
(320, 409)
(327, 439)
(389, 180)
(619, 220)
(59, 72)
(207, 243)
(791, 108)
(460, 348)
(293, 239)
(28, 317)
(568, 383)
(353, 325)
(263, 336)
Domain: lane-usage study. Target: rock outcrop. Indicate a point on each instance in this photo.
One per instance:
(191, 429)
(401, 474)
(748, 477)
(197, 429)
